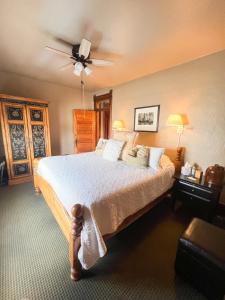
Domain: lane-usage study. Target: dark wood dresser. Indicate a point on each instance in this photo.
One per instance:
(203, 198)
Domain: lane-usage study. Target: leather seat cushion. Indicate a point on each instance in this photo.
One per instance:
(206, 241)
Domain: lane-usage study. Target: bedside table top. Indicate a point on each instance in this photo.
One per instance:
(197, 182)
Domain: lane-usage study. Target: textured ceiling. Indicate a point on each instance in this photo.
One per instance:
(141, 36)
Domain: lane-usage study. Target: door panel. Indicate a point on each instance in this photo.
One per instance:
(17, 140)
(21, 169)
(38, 131)
(84, 130)
(38, 137)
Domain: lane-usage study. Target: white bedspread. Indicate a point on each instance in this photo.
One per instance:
(109, 191)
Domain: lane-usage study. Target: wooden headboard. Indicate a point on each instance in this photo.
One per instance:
(175, 154)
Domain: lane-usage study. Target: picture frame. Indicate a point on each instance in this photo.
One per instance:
(146, 118)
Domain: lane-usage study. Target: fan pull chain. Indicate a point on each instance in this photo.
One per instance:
(82, 92)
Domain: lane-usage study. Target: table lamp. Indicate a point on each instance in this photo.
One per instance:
(118, 125)
(178, 121)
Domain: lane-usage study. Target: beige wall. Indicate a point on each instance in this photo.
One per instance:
(62, 100)
(196, 89)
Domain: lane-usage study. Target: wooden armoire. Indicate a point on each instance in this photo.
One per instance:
(25, 132)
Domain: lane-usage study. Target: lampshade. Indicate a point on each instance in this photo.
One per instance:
(177, 120)
(118, 124)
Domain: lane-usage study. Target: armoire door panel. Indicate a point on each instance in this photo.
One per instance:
(14, 113)
(38, 137)
(18, 142)
(38, 131)
(16, 132)
(21, 169)
(37, 115)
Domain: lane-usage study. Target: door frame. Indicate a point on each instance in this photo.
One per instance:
(100, 98)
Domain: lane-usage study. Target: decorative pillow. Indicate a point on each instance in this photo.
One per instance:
(143, 152)
(140, 158)
(100, 146)
(154, 157)
(127, 136)
(133, 152)
(113, 149)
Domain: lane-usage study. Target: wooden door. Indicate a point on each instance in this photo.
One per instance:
(16, 141)
(84, 130)
(38, 128)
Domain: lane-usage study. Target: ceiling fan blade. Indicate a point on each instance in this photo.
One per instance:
(85, 48)
(66, 66)
(58, 51)
(101, 62)
(64, 42)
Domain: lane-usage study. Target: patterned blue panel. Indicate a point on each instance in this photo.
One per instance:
(18, 144)
(38, 136)
(36, 115)
(15, 113)
(21, 169)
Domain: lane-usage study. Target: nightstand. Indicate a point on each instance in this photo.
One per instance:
(200, 196)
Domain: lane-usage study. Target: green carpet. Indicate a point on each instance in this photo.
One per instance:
(34, 256)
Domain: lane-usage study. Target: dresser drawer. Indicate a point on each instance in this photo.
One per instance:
(196, 191)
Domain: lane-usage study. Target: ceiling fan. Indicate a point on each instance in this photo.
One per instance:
(80, 56)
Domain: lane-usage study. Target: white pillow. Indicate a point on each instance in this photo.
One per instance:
(101, 143)
(100, 146)
(154, 157)
(113, 150)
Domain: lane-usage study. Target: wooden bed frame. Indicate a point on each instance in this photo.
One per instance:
(72, 227)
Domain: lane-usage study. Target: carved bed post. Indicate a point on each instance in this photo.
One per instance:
(77, 225)
(35, 166)
(179, 158)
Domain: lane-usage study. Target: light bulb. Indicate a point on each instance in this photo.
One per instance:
(87, 71)
(78, 68)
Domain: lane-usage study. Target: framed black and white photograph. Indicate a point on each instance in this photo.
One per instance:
(146, 118)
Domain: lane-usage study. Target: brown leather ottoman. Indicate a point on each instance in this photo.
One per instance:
(201, 258)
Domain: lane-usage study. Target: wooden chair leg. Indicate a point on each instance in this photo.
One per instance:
(77, 225)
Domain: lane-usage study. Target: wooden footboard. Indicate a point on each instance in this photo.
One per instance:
(72, 226)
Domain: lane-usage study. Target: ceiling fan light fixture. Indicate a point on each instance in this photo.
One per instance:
(78, 68)
(87, 71)
(81, 58)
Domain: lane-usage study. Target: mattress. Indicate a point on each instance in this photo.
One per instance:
(109, 192)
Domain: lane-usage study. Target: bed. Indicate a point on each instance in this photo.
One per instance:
(93, 199)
